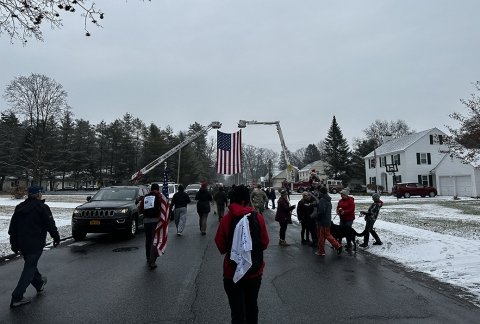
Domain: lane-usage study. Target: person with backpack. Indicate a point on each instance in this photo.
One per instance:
(242, 294)
(203, 198)
(150, 208)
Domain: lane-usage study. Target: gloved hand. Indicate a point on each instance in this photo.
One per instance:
(56, 243)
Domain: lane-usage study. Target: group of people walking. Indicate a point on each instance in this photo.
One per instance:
(234, 238)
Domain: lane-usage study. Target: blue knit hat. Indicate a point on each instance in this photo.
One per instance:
(33, 190)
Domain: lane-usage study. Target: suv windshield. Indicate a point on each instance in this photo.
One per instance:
(193, 186)
(115, 194)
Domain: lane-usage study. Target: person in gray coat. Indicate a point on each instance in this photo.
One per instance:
(323, 221)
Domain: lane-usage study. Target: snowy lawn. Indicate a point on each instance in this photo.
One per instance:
(438, 236)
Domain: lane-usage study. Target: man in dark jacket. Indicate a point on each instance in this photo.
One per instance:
(31, 221)
(203, 198)
(324, 221)
(150, 208)
(221, 200)
(242, 295)
(180, 200)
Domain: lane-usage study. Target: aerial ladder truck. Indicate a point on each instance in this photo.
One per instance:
(290, 176)
(152, 165)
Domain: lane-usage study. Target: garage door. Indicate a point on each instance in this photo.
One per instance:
(464, 186)
(447, 186)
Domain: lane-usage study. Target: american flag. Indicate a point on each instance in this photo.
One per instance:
(229, 152)
(161, 231)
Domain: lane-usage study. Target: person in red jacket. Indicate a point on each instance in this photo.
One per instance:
(346, 211)
(242, 295)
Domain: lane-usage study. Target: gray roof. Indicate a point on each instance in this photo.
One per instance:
(310, 165)
(400, 144)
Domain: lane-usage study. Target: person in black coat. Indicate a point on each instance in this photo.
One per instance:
(203, 198)
(31, 221)
(178, 205)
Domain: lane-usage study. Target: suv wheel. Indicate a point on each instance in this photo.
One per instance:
(431, 194)
(406, 195)
(78, 235)
(133, 229)
(334, 191)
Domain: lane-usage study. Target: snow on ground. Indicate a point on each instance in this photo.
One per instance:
(437, 236)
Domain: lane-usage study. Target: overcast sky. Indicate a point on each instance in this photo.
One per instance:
(299, 62)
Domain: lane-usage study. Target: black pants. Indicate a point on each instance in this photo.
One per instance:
(150, 252)
(305, 231)
(369, 230)
(30, 275)
(283, 230)
(242, 297)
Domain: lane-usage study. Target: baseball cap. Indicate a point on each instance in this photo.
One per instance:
(33, 190)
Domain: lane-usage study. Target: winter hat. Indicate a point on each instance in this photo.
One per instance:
(345, 192)
(33, 190)
(283, 192)
(376, 196)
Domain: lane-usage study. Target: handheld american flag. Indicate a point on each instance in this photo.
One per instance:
(161, 231)
(229, 152)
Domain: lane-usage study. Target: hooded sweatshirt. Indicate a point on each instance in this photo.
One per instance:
(222, 238)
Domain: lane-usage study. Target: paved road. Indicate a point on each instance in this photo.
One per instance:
(106, 281)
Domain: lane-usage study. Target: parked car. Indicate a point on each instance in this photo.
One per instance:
(192, 190)
(408, 189)
(111, 209)
(172, 188)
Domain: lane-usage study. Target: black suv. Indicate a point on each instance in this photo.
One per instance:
(111, 209)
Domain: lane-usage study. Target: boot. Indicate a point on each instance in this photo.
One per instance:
(283, 243)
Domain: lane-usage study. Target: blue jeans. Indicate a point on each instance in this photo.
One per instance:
(30, 275)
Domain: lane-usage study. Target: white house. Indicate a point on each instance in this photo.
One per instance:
(422, 158)
(318, 166)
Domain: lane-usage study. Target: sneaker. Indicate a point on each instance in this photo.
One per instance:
(21, 302)
(204, 233)
(339, 250)
(42, 287)
(364, 245)
(179, 234)
(320, 254)
(377, 243)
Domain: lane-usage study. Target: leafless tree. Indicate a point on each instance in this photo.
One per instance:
(23, 19)
(381, 128)
(464, 142)
(41, 102)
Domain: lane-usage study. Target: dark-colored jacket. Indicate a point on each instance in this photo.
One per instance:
(203, 198)
(31, 221)
(304, 211)
(284, 211)
(221, 198)
(223, 232)
(373, 210)
(151, 213)
(324, 211)
(271, 194)
(180, 199)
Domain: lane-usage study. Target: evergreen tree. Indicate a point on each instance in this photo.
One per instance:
(337, 153)
(361, 148)
(312, 154)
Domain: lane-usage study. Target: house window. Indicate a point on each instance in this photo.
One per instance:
(373, 180)
(424, 158)
(383, 161)
(423, 179)
(371, 163)
(436, 139)
(396, 159)
(397, 179)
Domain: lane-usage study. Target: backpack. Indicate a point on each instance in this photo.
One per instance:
(257, 250)
(150, 206)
